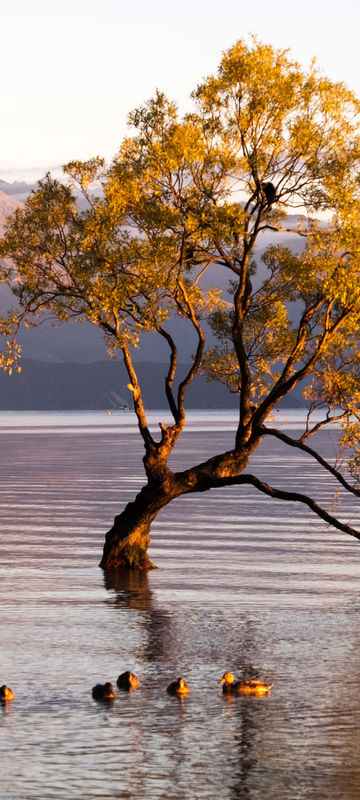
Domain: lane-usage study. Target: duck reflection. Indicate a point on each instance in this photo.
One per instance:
(131, 590)
(251, 715)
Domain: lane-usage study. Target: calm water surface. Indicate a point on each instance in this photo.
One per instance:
(244, 583)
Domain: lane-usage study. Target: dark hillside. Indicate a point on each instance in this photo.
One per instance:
(101, 385)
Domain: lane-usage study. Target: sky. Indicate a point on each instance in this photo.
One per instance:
(73, 69)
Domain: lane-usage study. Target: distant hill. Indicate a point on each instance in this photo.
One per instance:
(99, 385)
(58, 366)
(103, 385)
(19, 190)
(7, 206)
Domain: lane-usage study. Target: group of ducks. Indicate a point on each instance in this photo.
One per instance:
(105, 691)
(128, 681)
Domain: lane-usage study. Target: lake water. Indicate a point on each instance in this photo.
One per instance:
(247, 584)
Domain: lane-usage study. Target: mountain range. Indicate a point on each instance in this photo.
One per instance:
(65, 365)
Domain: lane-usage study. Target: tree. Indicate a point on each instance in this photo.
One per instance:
(265, 138)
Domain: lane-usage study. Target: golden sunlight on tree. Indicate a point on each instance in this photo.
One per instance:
(268, 149)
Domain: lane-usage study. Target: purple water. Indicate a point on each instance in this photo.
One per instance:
(247, 584)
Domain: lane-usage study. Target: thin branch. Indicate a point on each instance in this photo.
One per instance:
(199, 350)
(171, 373)
(278, 229)
(285, 384)
(228, 261)
(294, 497)
(138, 403)
(316, 427)
(310, 451)
(201, 273)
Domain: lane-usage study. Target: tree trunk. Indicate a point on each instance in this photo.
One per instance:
(127, 542)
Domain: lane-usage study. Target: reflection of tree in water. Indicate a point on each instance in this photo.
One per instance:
(248, 654)
(315, 733)
(250, 715)
(131, 590)
(160, 642)
(171, 639)
(338, 702)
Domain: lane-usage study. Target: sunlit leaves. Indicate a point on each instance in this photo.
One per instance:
(281, 123)
(187, 193)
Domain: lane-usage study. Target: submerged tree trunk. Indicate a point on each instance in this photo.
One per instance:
(127, 542)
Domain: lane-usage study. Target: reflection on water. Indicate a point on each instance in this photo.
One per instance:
(128, 589)
(244, 584)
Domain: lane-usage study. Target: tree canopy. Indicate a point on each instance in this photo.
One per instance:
(269, 152)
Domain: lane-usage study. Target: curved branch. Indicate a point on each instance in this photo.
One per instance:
(279, 229)
(285, 384)
(318, 425)
(311, 452)
(171, 373)
(198, 355)
(138, 403)
(294, 497)
(227, 261)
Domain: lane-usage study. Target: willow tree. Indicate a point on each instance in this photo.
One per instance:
(266, 143)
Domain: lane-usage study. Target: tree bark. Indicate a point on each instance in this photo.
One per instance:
(127, 542)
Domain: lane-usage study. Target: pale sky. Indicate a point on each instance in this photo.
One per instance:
(73, 69)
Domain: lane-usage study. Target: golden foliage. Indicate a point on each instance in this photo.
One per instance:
(186, 196)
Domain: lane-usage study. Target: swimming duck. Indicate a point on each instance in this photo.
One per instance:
(178, 687)
(243, 687)
(6, 693)
(127, 680)
(103, 691)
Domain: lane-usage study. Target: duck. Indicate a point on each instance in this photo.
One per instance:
(243, 687)
(6, 693)
(127, 680)
(103, 691)
(178, 687)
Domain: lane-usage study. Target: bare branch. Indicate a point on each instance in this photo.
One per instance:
(310, 451)
(199, 350)
(279, 229)
(171, 373)
(318, 425)
(294, 497)
(138, 403)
